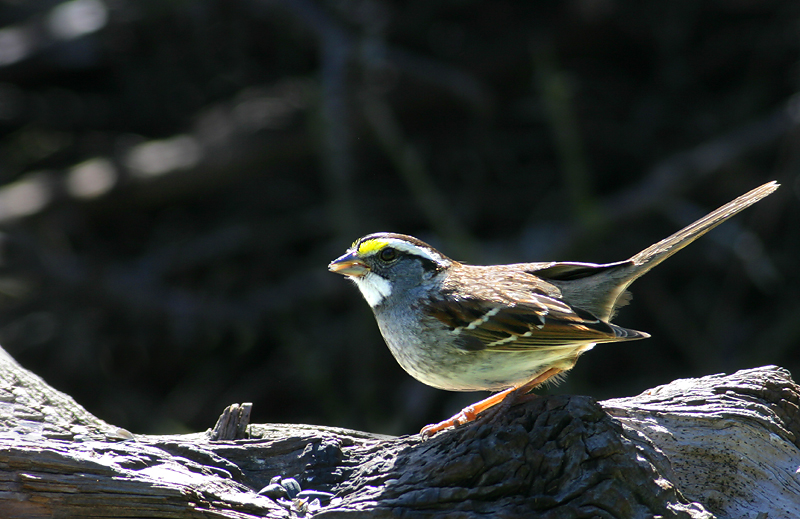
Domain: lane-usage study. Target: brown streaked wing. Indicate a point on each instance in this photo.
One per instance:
(539, 323)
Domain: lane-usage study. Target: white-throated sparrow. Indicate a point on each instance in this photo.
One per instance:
(500, 327)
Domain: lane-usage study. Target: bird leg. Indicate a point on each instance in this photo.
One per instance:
(471, 412)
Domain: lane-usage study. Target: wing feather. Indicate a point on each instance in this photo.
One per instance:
(501, 316)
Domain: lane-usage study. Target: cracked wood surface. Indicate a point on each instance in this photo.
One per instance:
(723, 445)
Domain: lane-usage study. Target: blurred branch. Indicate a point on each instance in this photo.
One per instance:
(142, 285)
(376, 54)
(673, 176)
(338, 161)
(675, 173)
(57, 26)
(557, 97)
(336, 49)
(229, 140)
(408, 163)
(462, 85)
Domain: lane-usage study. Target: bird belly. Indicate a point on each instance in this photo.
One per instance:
(447, 367)
(482, 371)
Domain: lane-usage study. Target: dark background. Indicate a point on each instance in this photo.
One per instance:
(176, 176)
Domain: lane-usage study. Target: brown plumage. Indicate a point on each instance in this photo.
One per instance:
(467, 327)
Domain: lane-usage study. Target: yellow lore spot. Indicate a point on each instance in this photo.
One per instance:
(371, 246)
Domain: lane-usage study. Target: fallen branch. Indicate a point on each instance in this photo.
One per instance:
(724, 445)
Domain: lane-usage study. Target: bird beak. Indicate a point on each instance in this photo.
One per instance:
(349, 265)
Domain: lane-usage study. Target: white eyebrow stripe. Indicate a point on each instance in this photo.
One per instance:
(404, 246)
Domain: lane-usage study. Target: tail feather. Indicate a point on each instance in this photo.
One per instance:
(601, 289)
(626, 334)
(658, 252)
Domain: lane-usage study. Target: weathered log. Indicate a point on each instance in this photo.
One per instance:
(718, 445)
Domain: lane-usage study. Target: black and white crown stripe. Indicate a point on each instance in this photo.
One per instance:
(404, 244)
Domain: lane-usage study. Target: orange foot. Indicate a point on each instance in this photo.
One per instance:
(470, 413)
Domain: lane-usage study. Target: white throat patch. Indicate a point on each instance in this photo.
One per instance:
(374, 288)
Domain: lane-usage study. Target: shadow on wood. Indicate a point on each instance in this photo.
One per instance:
(718, 445)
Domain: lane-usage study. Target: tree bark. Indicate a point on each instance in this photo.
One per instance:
(722, 445)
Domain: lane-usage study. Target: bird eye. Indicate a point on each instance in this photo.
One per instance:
(388, 254)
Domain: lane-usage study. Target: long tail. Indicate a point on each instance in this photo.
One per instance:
(621, 277)
(601, 289)
(658, 252)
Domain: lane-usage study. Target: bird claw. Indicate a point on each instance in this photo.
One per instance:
(466, 415)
